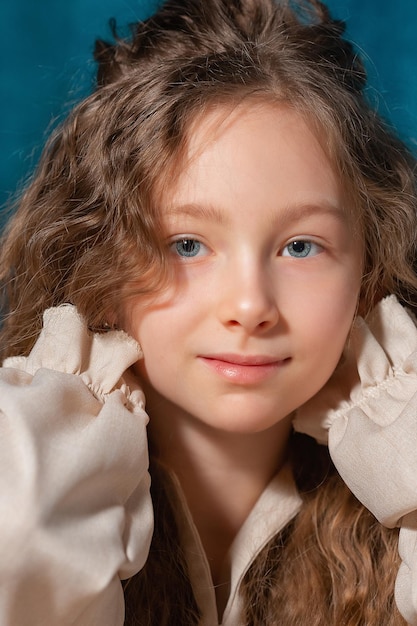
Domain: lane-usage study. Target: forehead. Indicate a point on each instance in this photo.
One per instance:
(229, 147)
(221, 119)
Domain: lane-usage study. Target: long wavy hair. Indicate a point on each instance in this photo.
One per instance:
(87, 231)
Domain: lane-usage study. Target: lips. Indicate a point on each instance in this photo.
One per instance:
(241, 359)
(243, 369)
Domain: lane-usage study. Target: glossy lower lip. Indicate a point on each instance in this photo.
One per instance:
(242, 370)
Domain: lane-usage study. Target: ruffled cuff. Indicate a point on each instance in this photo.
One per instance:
(65, 345)
(367, 413)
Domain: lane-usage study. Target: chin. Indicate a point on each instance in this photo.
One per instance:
(243, 425)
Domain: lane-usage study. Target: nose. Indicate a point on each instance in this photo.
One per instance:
(249, 299)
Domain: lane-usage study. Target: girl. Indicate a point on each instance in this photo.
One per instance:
(226, 225)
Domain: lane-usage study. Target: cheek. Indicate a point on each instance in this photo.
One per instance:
(155, 356)
(328, 316)
(160, 333)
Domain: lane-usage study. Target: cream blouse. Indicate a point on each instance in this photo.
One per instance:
(76, 514)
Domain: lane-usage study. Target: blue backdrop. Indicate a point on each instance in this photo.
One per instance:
(46, 65)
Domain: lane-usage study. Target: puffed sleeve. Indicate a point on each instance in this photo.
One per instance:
(75, 509)
(367, 413)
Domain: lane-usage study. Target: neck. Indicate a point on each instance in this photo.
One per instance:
(222, 474)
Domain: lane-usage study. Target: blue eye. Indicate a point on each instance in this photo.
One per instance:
(300, 249)
(187, 247)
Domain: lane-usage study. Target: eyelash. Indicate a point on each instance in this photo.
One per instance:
(195, 247)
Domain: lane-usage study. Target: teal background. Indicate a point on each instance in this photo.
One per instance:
(46, 65)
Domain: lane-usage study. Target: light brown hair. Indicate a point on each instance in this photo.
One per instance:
(87, 232)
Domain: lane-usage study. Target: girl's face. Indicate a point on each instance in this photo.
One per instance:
(267, 275)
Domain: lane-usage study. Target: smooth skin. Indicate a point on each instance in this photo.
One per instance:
(267, 277)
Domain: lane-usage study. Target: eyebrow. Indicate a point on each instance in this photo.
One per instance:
(208, 213)
(293, 213)
(297, 212)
